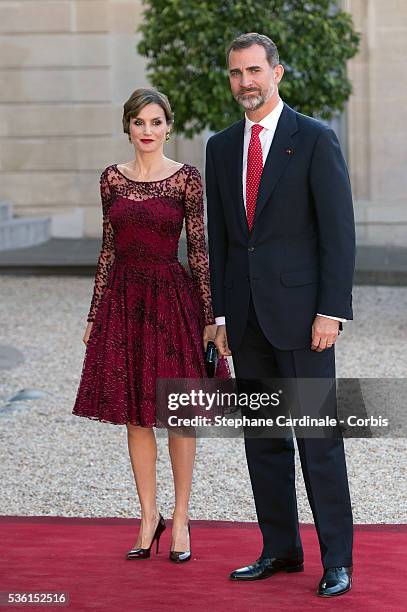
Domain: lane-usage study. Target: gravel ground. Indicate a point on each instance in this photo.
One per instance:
(54, 463)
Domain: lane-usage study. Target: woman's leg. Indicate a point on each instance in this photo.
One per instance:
(143, 455)
(182, 452)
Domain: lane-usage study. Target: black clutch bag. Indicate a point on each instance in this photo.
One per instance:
(211, 359)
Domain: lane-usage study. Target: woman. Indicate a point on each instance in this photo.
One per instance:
(148, 317)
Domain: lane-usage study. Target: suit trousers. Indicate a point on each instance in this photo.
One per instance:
(271, 460)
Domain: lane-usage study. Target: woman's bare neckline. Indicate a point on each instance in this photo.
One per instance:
(156, 181)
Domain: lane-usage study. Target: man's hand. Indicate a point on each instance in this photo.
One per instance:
(324, 333)
(221, 342)
(209, 333)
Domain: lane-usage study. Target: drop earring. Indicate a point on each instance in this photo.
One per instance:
(167, 136)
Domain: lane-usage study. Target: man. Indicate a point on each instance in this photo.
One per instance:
(282, 247)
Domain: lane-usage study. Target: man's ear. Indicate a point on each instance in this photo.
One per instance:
(278, 73)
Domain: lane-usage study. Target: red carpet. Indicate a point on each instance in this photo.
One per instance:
(85, 557)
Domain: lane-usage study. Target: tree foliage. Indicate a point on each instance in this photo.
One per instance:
(185, 41)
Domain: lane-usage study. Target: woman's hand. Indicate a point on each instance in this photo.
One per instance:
(87, 332)
(209, 333)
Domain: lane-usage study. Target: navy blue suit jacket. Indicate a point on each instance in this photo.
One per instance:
(299, 258)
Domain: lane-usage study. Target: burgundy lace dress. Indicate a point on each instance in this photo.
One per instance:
(148, 311)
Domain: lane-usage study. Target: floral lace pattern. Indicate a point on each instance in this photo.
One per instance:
(184, 190)
(148, 312)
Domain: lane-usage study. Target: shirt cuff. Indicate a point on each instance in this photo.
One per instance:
(334, 318)
(220, 320)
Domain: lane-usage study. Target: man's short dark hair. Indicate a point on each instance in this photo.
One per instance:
(244, 41)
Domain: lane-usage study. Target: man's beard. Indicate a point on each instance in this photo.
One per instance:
(255, 101)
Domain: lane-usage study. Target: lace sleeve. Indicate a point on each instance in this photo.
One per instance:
(107, 254)
(196, 243)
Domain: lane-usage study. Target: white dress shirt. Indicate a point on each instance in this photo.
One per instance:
(269, 124)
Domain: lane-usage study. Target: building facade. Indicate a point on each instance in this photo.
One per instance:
(66, 67)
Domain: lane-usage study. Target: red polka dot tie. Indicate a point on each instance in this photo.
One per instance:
(254, 170)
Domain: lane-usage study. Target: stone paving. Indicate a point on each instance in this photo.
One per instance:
(54, 463)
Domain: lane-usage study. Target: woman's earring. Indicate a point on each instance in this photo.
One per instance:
(167, 136)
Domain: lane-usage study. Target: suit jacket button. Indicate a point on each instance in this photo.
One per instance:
(250, 249)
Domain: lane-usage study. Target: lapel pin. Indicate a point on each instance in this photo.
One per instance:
(289, 151)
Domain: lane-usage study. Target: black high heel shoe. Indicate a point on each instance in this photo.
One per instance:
(144, 553)
(182, 557)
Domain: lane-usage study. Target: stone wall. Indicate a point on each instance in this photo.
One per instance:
(377, 129)
(66, 66)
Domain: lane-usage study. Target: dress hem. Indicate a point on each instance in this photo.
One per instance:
(101, 420)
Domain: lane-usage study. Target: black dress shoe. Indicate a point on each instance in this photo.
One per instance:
(264, 568)
(335, 581)
(144, 553)
(182, 557)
